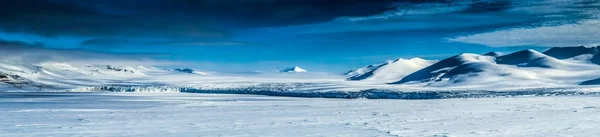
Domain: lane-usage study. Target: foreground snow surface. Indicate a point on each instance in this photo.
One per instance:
(187, 114)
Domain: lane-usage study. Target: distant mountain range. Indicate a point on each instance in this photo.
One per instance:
(559, 65)
(556, 67)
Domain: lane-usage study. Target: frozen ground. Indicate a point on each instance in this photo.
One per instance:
(188, 114)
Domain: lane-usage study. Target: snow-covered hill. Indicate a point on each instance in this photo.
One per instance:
(525, 68)
(435, 71)
(60, 75)
(570, 52)
(531, 58)
(391, 70)
(482, 74)
(520, 57)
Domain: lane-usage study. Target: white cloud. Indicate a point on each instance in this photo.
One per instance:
(585, 33)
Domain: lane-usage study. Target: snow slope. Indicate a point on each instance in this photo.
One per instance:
(435, 71)
(60, 75)
(546, 62)
(484, 74)
(392, 70)
(532, 58)
(520, 57)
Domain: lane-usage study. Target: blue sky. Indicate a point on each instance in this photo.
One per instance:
(318, 35)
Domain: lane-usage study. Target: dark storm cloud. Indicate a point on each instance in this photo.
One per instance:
(261, 13)
(57, 18)
(488, 6)
(171, 18)
(17, 44)
(113, 42)
(183, 18)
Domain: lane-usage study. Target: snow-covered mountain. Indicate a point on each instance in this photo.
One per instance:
(293, 69)
(530, 58)
(522, 68)
(390, 71)
(570, 52)
(436, 71)
(520, 57)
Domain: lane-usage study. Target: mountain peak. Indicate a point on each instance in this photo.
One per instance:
(293, 69)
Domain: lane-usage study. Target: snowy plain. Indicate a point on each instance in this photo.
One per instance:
(186, 114)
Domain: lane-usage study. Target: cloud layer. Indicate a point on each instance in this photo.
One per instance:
(21, 52)
(562, 23)
(584, 33)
